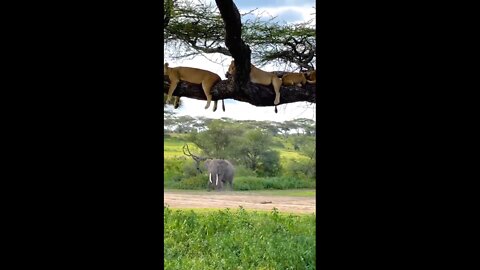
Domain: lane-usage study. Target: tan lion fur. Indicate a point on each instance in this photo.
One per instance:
(312, 77)
(262, 77)
(192, 75)
(297, 79)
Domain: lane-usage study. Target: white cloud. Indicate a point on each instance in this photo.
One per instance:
(306, 12)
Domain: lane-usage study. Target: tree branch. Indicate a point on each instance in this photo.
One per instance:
(208, 49)
(255, 94)
(233, 40)
(167, 9)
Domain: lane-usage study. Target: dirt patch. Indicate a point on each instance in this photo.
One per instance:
(233, 200)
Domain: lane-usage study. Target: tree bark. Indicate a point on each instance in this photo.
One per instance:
(234, 42)
(255, 94)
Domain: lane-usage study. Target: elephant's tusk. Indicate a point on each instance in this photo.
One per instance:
(210, 177)
(216, 184)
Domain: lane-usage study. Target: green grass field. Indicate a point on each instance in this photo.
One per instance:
(238, 239)
(173, 146)
(273, 192)
(210, 210)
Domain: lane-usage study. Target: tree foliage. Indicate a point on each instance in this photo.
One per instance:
(216, 141)
(298, 126)
(254, 152)
(251, 148)
(197, 27)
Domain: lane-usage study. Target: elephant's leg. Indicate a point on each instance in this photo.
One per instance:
(220, 185)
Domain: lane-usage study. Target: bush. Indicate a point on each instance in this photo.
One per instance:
(172, 176)
(259, 183)
(173, 166)
(190, 169)
(270, 164)
(247, 183)
(241, 171)
(177, 178)
(194, 182)
(303, 169)
(200, 182)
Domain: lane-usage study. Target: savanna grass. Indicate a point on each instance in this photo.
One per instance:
(245, 183)
(228, 239)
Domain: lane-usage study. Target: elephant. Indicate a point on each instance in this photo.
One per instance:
(220, 171)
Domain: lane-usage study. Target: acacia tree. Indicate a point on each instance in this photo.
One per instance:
(216, 141)
(196, 27)
(250, 147)
(254, 152)
(201, 30)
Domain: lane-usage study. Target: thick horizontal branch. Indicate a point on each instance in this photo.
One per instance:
(255, 94)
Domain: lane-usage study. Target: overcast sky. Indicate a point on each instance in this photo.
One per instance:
(289, 11)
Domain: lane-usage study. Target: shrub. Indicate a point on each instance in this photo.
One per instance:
(194, 182)
(190, 169)
(259, 183)
(241, 171)
(247, 183)
(173, 165)
(270, 164)
(299, 169)
(177, 178)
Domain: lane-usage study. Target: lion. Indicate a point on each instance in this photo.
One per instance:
(215, 105)
(192, 75)
(261, 77)
(297, 79)
(176, 103)
(311, 77)
(176, 100)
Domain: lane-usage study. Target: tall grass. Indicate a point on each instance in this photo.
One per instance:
(239, 239)
(283, 182)
(200, 182)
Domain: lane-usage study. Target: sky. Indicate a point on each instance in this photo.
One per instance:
(288, 11)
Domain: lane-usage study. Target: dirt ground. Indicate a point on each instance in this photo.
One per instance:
(232, 200)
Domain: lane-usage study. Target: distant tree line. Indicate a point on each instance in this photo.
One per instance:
(189, 124)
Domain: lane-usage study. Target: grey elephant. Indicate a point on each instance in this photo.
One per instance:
(220, 172)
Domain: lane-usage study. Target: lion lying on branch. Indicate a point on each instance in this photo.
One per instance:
(261, 77)
(192, 75)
